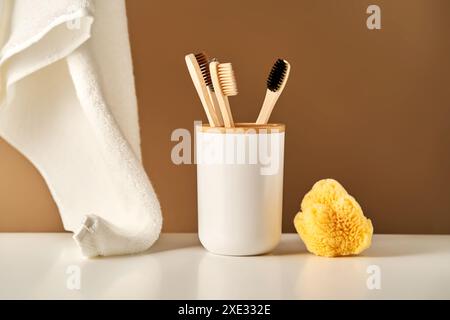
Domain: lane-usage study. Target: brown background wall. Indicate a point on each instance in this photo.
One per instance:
(369, 108)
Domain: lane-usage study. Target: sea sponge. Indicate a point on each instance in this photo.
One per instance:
(331, 223)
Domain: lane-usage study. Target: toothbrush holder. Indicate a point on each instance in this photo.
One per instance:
(240, 187)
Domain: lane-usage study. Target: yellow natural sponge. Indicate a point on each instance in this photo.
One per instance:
(331, 223)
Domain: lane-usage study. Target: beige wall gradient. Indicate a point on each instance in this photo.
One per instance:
(368, 108)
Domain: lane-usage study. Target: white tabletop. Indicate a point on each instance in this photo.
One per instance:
(49, 266)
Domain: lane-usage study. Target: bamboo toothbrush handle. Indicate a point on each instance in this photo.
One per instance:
(226, 111)
(216, 108)
(207, 104)
(267, 108)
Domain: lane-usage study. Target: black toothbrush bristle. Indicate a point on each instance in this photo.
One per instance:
(203, 62)
(277, 75)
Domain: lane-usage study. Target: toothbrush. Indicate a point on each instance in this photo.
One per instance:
(199, 71)
(275, 85)
(213, 95)
(224, 82)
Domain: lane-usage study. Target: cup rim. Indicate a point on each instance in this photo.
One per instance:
(245, 127)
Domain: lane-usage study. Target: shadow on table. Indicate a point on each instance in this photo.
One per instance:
(385, 246)
(171, 242)
(290, 247)
(399, 246)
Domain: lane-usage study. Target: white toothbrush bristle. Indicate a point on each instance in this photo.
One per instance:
(227, 79)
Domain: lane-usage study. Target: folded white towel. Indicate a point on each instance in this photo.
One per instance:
(68, 103)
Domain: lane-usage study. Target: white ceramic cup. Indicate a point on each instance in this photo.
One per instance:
(240, 188)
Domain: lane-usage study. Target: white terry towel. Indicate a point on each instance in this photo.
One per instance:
(68, 103)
